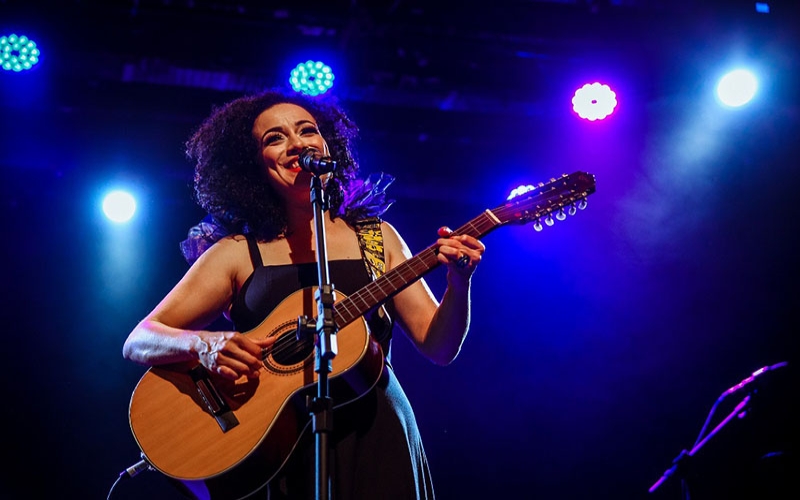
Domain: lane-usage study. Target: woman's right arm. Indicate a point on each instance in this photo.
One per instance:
(174, 331)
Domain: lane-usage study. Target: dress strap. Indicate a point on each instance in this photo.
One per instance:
(252, 246)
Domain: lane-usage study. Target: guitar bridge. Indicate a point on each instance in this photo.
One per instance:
(217, 406)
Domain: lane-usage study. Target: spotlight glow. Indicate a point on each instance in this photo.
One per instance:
(312, 78)
(119, 206)
(18, 53)
(594, 101)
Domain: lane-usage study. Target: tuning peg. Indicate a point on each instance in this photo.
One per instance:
(572, 209)
(537, 226)
(549, 220)
(582, 204)
(560, 215)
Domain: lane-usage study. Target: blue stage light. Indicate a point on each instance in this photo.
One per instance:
(18, 53)
(119, 206)
(312, 78)
(519, 191)
(737, 88)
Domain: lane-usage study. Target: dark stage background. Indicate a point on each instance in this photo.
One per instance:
(598, 346)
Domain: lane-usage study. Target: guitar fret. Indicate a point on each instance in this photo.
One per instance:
(359, 302)
(369, 292)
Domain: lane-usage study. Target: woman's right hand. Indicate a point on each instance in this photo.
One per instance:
(231, 354)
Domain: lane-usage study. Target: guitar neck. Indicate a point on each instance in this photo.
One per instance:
(537, 203)
(391, 283)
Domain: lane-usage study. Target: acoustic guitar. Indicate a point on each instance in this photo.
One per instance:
(224, 440)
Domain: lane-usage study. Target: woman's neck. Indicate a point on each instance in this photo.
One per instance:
(301, 218)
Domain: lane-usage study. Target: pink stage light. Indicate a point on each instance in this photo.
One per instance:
(594, 101)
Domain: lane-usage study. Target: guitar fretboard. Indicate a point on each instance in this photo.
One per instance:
(389, 284)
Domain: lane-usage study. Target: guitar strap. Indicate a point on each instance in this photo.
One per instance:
(370, 241)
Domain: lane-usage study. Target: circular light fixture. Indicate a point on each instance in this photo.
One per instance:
(312, 78)
(18, 53)
(737, 88)
(119, 206)
(594, 101)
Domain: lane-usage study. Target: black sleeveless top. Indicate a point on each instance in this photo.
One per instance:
(376, 447)
(269, 285)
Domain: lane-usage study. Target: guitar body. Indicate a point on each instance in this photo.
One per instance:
(225, 439)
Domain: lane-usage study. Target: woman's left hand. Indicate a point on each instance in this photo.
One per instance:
(460, 253)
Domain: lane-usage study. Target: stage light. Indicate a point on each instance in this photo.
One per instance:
(519, 191)
(18, 53)
(737, 88)
(594, 101)
(312, 78)
(119, 206)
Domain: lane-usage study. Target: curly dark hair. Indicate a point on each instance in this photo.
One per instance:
(229, 182)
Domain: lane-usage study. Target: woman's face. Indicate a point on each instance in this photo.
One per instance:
(282, 132)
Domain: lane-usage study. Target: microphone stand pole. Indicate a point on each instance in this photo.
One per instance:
(741, 410)
(680, 461)
(321, 406)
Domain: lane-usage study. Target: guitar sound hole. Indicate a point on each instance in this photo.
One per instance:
(287, 350)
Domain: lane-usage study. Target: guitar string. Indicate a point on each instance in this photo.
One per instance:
(290, 345)
(423, 262)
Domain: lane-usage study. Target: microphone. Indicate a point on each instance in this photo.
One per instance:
(752, 378)
(311, 160)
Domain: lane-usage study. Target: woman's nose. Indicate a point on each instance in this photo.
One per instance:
(296, 144)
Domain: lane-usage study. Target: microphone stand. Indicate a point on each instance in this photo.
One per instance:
(321, 406)
(741, 410)
(679, 463)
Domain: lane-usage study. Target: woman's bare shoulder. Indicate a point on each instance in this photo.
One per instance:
(228, 255)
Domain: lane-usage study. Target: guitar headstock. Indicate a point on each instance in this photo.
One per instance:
(557, 198)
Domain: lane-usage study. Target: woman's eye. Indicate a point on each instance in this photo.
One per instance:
(270, 139)
(309, 131)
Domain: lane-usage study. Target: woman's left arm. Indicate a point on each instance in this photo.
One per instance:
(437, 329)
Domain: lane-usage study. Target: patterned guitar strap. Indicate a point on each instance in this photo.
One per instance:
(370, 240)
